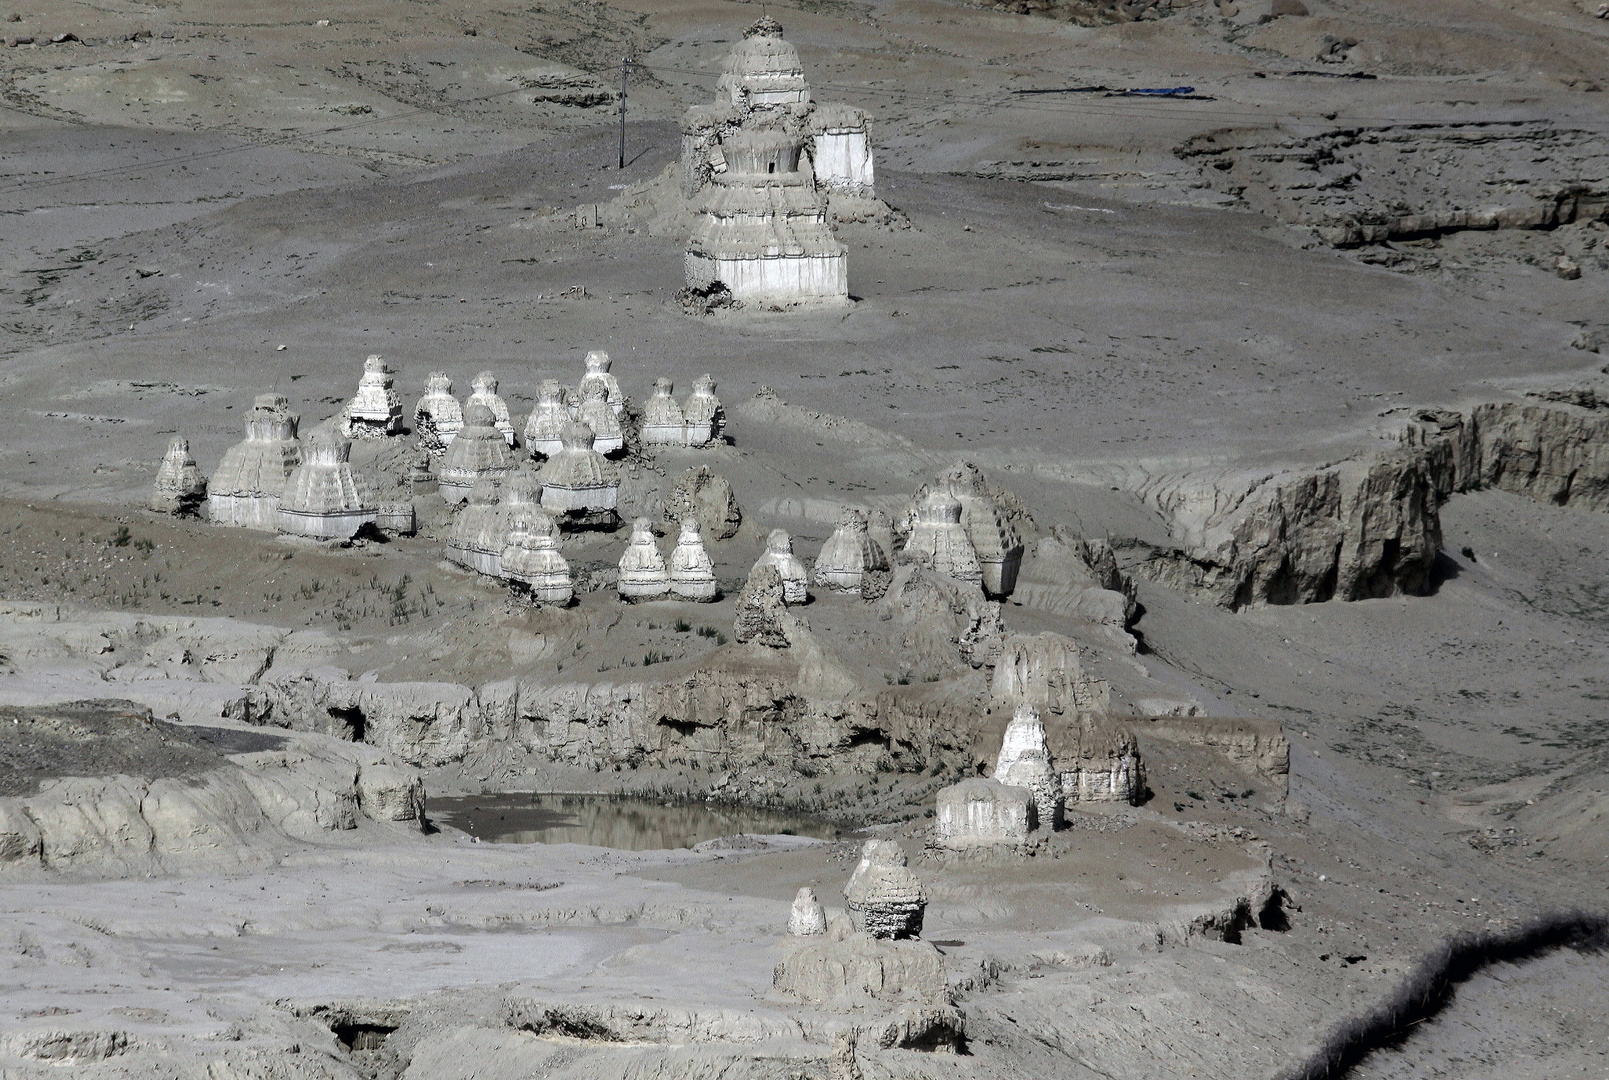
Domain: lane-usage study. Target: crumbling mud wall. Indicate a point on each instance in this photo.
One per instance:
(1555, 451)
(713, 718)
(1370, 184)
(1359, 529)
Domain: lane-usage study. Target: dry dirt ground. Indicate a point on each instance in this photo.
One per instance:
(201, 204)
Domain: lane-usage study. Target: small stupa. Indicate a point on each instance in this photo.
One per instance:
(808, 917)
(706, 419)
(692, 574)
(849, 555)
(938, 541)
(438, 416)
(537, 573)
(598, 364)
(662, 421)
(375, 412)
(1024, 761)
(478, 534)
(246, 486)
(779, 553)
(477, 451)
(643, 574)
(579, 485)
(323, 499)
(596, 413)
(180, 488)
(544, 428)
(484, 387)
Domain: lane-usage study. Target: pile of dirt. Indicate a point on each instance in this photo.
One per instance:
(96, 738)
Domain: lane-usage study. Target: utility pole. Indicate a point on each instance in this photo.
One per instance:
(624, 64)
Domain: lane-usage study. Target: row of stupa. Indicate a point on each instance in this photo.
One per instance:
(759, 163)
(376, 411)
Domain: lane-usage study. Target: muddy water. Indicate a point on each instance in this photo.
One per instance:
(604, 821)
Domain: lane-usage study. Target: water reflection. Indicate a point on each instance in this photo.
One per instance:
(606, 821)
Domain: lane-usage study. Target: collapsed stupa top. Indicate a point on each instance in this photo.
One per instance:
(763, 69)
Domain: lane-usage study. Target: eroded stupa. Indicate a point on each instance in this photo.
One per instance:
(544, 430)
(484, 387)
(180, 488)
(598, 364)
(438, 416)
(477, 451)
(849, 555)
(537, 573)
(779, 553)
(705, 416)
(375, 412)
(663, 422)
(595, 411)
(1025, 762)
(579, 485)
(323, 498)
(692, 574)
(476, 539)
(247, 484)
(759, 162)
(938, 541)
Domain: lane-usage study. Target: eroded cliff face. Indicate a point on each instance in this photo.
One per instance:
(1555, 451)
(743, 709)
(1362, 528)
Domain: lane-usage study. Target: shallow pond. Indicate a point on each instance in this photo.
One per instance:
(608, 821)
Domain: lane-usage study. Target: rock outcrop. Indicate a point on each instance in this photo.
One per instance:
(1556, 452)
(1363, 528)
(707, 498)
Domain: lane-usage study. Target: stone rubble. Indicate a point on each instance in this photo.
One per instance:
(438, 417)
(322, 498)
(180, 488)
(246, 486)
(484, 387)
(478, 451)
(375, 412)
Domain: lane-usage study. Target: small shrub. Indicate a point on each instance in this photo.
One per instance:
(121, 537)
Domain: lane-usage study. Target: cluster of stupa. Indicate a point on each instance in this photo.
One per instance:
(759, 162)
(273, 480)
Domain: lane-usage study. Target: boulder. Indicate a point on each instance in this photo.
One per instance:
(707, 498)
(389, 793)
